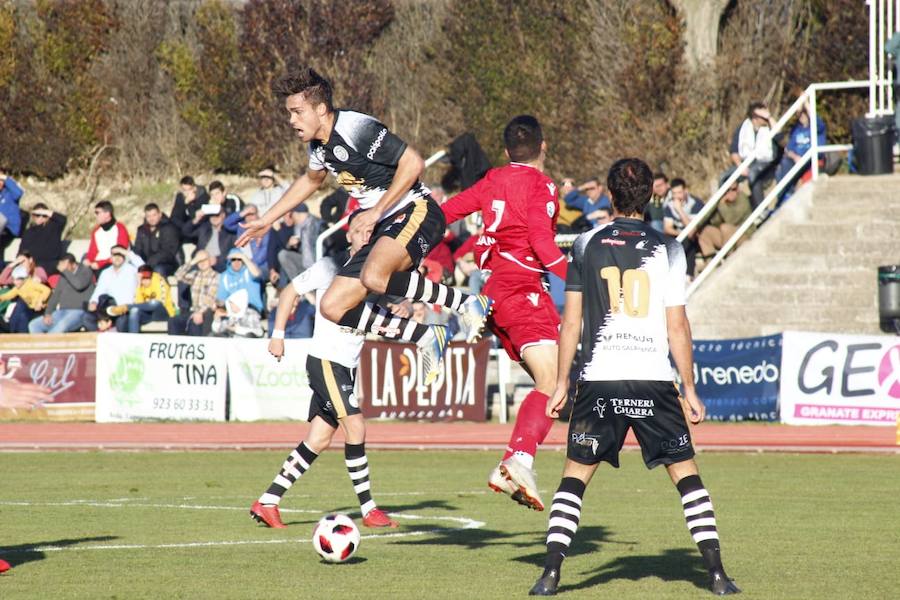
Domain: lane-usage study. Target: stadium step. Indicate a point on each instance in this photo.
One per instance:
(811, 267)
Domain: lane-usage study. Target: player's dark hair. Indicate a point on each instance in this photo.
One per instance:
(40, 206)
(630, 182)
(216, 185)
(186, 180)
(151, 206)
(678, 182)
(753, 107)
(105, 206)
(660, 175)
(523, 138)
(315, 88)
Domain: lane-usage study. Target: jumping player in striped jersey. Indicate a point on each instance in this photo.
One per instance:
(519, 207)
(625, 301)
(400, 222)
(331, 370)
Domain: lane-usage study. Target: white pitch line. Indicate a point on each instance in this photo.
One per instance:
(465, 522)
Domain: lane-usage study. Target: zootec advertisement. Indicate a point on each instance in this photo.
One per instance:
(148, 377)
(390, 383)
(263, 388)
(829, 378)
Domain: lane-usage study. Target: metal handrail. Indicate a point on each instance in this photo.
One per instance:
(809, 93)
(320, 240)
(756, 214)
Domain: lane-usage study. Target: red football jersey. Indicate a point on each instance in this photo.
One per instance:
(519, 208)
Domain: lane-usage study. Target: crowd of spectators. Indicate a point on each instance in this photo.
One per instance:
(182, 270)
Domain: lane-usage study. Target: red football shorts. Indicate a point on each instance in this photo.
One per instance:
(523, 316)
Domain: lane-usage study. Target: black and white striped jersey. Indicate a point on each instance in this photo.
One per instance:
(363, 155)
(628, 273)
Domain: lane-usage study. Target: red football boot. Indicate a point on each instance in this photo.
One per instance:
(4, 566)
(378, 518)
(267, 514)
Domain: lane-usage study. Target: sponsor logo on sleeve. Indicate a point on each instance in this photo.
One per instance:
(376, 144)
(551, 209)
(612, 242)
(533, 297)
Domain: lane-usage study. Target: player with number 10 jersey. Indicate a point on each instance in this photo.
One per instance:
(519, 207)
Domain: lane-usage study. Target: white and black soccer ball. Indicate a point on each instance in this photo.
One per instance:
(336, 538)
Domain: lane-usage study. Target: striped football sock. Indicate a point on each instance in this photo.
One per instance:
(374, 318)
(358, 469)
(418, 288)
(296, 464)
(701, 520)
(565, 512)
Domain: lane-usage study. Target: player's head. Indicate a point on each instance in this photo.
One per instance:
(307, 98)
(630, 184)
(524, 139)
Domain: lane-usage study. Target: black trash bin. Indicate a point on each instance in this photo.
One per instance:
(889, 298)
(873, 144)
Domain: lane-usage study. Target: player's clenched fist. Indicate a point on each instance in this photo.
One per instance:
(276, 348)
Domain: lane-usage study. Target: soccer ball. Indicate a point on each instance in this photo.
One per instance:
(336, 538)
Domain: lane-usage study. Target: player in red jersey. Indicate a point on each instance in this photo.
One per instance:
(519, 208)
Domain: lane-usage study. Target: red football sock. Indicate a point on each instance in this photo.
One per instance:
(532, 425)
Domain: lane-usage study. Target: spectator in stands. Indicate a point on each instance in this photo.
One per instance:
(188, 200)
(299, 253)
(43, 237)
(467, 269)
(65, 308)
(754, 138)
(10, 218)
(257, 249)
(588, 197)
(23, 258)
(680, 210)
(301, 319)
(655, 211)
(107, 234)
(731, 211)
(279, 236)
(210, 234)
(158, 241)
(152, 301)
(799, 142)
(204, 283)
(269, 191)
(231, 203)
(28, 296)
(238, 299)
(602, 216)
(115, 286)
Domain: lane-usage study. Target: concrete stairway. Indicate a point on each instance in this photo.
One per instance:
(812, 267)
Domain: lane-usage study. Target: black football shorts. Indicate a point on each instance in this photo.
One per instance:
(332, 386)
(419, 227)
(605, 410)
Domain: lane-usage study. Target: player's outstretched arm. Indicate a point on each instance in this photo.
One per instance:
(680, 345)
(569, 333)
(285, 304)
(302, 188)
(409, 168)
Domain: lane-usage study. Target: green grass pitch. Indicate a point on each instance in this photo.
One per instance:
(175, 525)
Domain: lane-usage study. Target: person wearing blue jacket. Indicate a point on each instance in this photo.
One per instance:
(239, 303)
(10, 218)
(799, 142)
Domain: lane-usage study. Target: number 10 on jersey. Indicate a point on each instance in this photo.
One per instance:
(631, 288)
